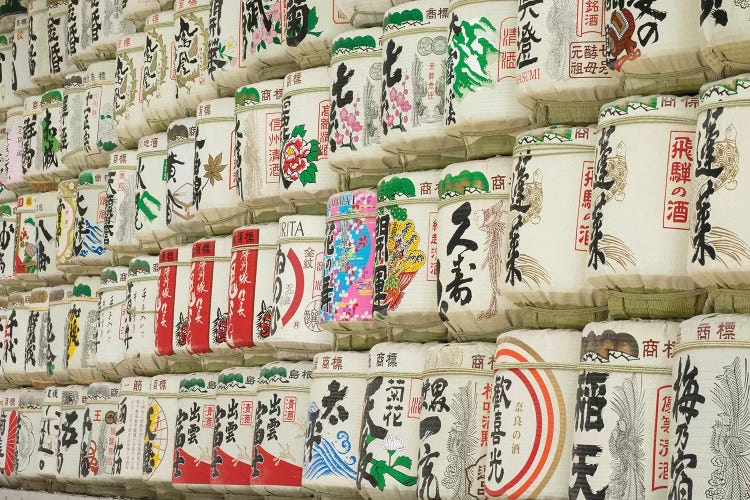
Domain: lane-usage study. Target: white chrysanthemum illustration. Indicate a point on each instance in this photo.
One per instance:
(392, 443)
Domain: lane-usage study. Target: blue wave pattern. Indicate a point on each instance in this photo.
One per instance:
(332, 459)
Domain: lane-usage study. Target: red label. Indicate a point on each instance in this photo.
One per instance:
(290, 408)
(660, 471)
(676, 214)
(201, 283)
(242, 271)
(584, 207)
(164, 318)
(10, 446)
(590, 17)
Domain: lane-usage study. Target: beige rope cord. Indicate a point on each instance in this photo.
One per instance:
(141, 279)
(284, 388)
(336, 218)
(149, 154)
(406, 201)
(624, 120)
(541, 365)
(255, 107)
(456, 371)
(340, 374)
(374, 54)
(608, 367)
(111, 306)
(84, 299)
(180, 142)
(210, 259)
(472, 196)
(310, 239)
(395, 374)
(396, 32)
(241, 248)
(307, 90)
(693, 344)
(214, 119)
(174, 264)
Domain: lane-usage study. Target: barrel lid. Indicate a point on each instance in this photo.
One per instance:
(143, 265)
(181, 130)
(77, 80)
(357, 43)
(39, 297)
(539, 346)
(416, 16)
(156, 143)
(198, 385)
(101, 72)
(301, 227)
(312, 79)
(409, 185)
(103, 392)
(165, 384)
(86, 286)
(285, 374)
(476, 177)
(557, 138)
(45, 203)
(238, 380)
(713, 329)
(340, 362)
(134, 386)
(133, 42)
(632, 343)
(30, 399)
(61, 293)
(261, 234)
(653, 107)
(183, 254)
(127, 159)
(358, 203)
(266, 92)
(474, 356)
(72, 395)
(94, 178)
(212, 247)
(398, 357)
(735, 88)
(113, 276)
(215, 108)
(158, 19)
(52, 97)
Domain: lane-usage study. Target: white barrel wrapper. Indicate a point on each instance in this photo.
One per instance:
(159, 439)
(45, 238)
(15, 338)
(265, 41)
(60, 62)
(67, 196)
(91, 209)
(8, 99)
(311, 26)
(110, 359)
(99, 137)
(49, 432)
(81, 340)
(9, 405)
(38, 307)
(39, 47)
(22, 84)
(130, 122)
(119, 220)
(29, 435)
(72, 407)
(226, 39)
(132, 417)
(108, 26)
(72, 146)
(32, 154)
(54, 340)
(151, 228)
(12, 174)
(9, 221)
(99, 434)
(182, 214)
(140, 339)
(25, 259)
(139, 10)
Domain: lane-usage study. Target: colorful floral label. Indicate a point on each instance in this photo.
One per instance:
(25, 243)
(263, 25)
(300, 152)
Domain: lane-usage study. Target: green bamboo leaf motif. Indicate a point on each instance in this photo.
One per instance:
(474, 42)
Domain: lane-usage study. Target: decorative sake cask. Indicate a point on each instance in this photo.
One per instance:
(722, 37)
(215, 185)
(54, 339)
(547, 243)
(130, 121)
(49, 432)
(45, 238)
(363, 13)
(12, 175)
(16, 328)
(454, 422)
(334, 421)
(32, 143)
(72, 144)
(533, 397)
(99, 436)
(9, 223)
(26, 255)
(139, 10)
(60, 62)
(99, 137)
(311, 26)
(307, 180)
(80, 25)
(645, 281)
(181, 213)
(67, 204)
(623, 404)
(9, 406)
(39, 45)
(28, 437)
(480, 90)
(258, 148)
(348, 289)
(283, 394)
(140, 338)
(110, 361)
(265, 41)
(390, 431)
(472, 227)
(406, 256)
(132, 419)
(72, 407)
(561, 61)
(38, 306)
(90, 212)
(652, 49)
(119, 219)
(108, 27)
(227, 38)
(22, 84)
(159, 440)
(356, 76)
(81, 340)
(295, 331)
(8, 99)
(415, 66)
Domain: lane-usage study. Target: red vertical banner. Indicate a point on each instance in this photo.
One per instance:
(164, 317)
(676, 214)
(584, 207)
(242, 272)
(201, 284)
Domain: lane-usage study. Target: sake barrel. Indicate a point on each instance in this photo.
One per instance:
(347, 292)
(231, 465)
(28, 436)
(31, 153)
(455, 420)
(310, 30)
(22, 84)
(258, 120)
(39, 45)
(653, 50)
(151, 228)
(209, 283)
(132, 418)
(67, 207)
(529, 435)
(38, 307)
(81, 341)
(80, 25)
(280, 421)
(49, 432)
(130, 122)
(54, 340)
(363, 13)
(119, 219)
(307, 180)
(45, 238)
(622, 410)
(194, 428)
(472, 224)
(334, 419)
(139, 10)
(413, 107)
(215, 192)
(722, 40)
(99, 435)
(194, 85)
(140, 339)
(8, 435)
(73, 110)
(72, 408)
(264, 44)
(226, 37)
(88, 240)
(60, 62)
(25, 255)
(9, 221)
(99, 136)
(355, 75)
(160, 105)
(108, 27)
(719, 250)
(12, 175)
(8, 99)
(4, 382)
(390, 422)
(295, 330)
(561, 61)
(181, 211)
(644, 281)
(546, 253)
(16, 328)
(406, 256)
(110, 333)
(480, 90)
(158, 448)
(250, 293)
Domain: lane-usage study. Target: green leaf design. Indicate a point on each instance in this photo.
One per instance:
(299, 130)
(369, 439)
(308, 176)
(402, 461)
(314, 151)
(312, 21)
